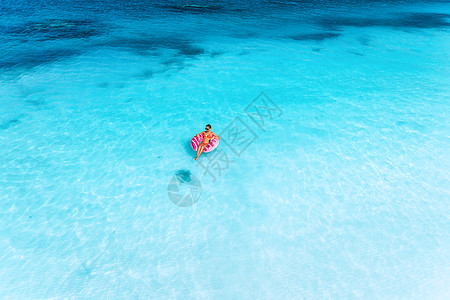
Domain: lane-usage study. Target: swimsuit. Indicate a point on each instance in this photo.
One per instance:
(208, 135)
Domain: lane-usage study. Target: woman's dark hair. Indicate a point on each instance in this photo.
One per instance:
(208, 126)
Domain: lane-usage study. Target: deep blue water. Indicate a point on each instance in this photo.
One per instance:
(341, 192)
(47, 31)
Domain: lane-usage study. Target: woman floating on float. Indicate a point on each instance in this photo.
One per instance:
(205, 141)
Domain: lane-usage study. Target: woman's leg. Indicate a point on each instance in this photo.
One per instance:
(200, 150)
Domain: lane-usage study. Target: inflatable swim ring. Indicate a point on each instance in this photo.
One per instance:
(197, 140)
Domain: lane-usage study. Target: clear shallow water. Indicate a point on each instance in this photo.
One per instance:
(345, 195)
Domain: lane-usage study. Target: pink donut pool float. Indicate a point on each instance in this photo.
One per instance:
(197, 140)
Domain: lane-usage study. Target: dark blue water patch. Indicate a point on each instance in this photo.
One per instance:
(148, 45)
(146, 74)
(192, 8)
(103, 85)
(141, 46)
(285, 3)
(183, 175)
(215, 53)
(206, 7)
(363, 40)
(402, 20)
(245, 33)
(190, 50)
(9, 123)
(426, 20)
(356, 53)
(53, 29)
(319, 36)
(316, 49)
(36, 103)
(173, 62)
(35, 43)
(27, 59)
(149, 73)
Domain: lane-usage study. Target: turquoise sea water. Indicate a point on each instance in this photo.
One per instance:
(343, 193)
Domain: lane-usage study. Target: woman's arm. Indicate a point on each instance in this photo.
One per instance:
(215, 135)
